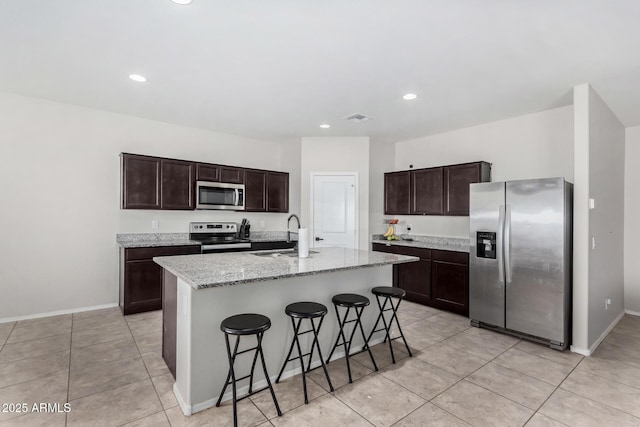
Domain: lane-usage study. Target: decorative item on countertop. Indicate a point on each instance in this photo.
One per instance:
(303, 242)
(391, 231)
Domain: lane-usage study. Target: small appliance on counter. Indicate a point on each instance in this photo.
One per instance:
(217, 236)
(245, 229)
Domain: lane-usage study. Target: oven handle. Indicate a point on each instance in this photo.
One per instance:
(225, 246)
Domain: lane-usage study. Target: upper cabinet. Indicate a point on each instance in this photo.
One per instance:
(433, 191)
(205, 172)
(277, 192)
(266, 191)
(177, 189)
(231, 175)
(140, 182)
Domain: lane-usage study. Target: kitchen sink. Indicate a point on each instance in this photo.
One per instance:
(276, 254)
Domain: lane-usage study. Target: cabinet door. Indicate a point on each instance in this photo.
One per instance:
(208, 172)
(177, 185)
(277, 192)
(255, 189)
(396, 192)
(143, 291)
(231, 175)
(140, 182)
(450, 281)
(415, 279)
(427, 192)
(456, 185)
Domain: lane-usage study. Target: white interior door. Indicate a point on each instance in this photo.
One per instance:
(334, 206)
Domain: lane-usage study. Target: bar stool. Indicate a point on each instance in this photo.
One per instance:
(300, 311)
(240, 325)
(387, 293)
(358, 303)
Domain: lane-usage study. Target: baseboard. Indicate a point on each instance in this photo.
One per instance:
(601, 338)
(633, 313)
(186, 409)
(57, 313)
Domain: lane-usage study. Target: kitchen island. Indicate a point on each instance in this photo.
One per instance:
(199, 291)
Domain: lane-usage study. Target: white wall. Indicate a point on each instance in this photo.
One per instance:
(381, 159)
(337, 154)
(60, 187)
(632, 221)
(538, 145)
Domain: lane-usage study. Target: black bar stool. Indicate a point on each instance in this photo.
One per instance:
(300, 311)
(239, 325)
(388, 293)
(358, 303)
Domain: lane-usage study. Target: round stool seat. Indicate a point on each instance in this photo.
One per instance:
(350, 300)
(305, 310)
(245, 324)
(389, 291)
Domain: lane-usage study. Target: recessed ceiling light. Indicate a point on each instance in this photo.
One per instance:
(137, 78)
(181, 1)
(325, 126)
(410, 97)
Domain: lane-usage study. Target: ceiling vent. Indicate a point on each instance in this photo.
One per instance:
(357, 118)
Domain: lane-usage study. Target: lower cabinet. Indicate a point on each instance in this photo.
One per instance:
(141, 278)
(440, 279)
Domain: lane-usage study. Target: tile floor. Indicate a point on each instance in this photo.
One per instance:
(109, 369)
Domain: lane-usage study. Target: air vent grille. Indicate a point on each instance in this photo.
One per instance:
(357, 118)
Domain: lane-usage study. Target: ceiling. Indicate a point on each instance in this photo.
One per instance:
(277, 69)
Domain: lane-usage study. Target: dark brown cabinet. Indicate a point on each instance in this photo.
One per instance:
(427, 196)
(396, 192)
(433, 191)
(207, 172)
(255, 190)
(456, 185)
(177, 189)
(439, 279)
(141, 278)
(140, 182)
(277, 192)
(231, 175)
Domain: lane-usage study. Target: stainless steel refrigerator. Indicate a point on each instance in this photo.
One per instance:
(520, 258)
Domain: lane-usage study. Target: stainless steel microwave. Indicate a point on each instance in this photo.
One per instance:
(219, 195)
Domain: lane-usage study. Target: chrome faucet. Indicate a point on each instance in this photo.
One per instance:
(289, 222)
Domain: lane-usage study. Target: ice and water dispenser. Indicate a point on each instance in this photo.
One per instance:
(486, 244)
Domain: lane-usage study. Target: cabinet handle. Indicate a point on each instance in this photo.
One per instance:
(318, 239)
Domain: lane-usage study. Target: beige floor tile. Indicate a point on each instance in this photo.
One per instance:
(417, 376)
(338, 373)
(617, 353)
(432, 416)
(624, 340)
(379, 400)
(145, 327)
(36, 347)
(381, 355)
(37, 419)
(31, 368)
(534, 366)
(290, 395)
(51, 389)
(481, 343)
(42, 330)
(248, 415)
(452, 360)
(539, 420)
(164, 386)
(150, 343)
(63, 321)
(513, 385)
(448, 324)
(147, 315)
(563, 357)
(611, 369)
(103, 313)
(325, 411)
(5, 330)
(628, 325)
(478, 406)
(406, 317)
(156, 420)
(155, 364)
(116, 406)
(94, 379)
(103, 353)
(96, 322)
(574, 410)
(421, 334)
(89, 337)
(610, 393)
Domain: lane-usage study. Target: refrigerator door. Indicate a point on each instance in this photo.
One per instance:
(486, 274)
(535, 268)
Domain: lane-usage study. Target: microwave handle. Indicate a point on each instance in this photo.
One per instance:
(236, 197)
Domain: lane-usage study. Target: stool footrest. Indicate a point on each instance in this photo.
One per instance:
(251, 394)
(246, 351)
(298, 357)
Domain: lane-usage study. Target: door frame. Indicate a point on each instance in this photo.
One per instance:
(312, 176)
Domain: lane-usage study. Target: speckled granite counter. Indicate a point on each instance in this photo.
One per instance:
(455, 244)
(150, 240)
(213, 270)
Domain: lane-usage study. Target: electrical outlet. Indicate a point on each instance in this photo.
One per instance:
(154, 224)
(593, 243)
(592, 203)
(262, 224)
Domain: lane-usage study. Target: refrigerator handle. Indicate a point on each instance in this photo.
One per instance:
(507, 244)
(500, 241)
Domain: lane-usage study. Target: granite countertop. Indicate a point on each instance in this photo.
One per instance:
(150, 240)
(455, 244)
(232, 268)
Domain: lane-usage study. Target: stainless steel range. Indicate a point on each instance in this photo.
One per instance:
(217, 236)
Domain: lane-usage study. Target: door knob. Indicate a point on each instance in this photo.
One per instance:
(318, 239)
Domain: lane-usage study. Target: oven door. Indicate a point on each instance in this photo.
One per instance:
(218, 195)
